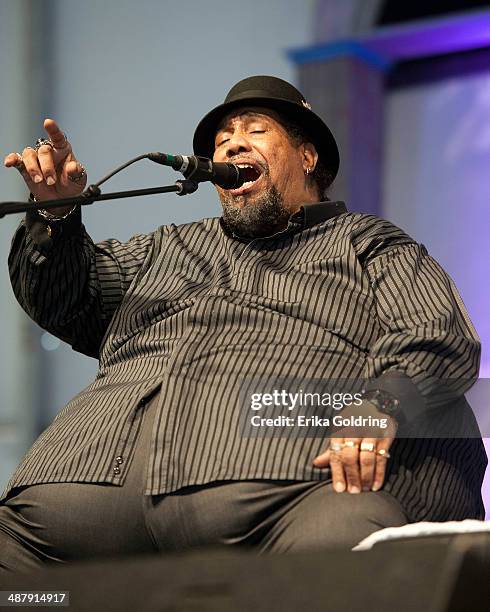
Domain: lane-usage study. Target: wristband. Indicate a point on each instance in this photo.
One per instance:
(385, 402)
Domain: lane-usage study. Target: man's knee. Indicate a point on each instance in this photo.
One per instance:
(326, 519)
(15, 554)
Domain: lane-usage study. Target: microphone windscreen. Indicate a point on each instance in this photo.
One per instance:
(227, 176)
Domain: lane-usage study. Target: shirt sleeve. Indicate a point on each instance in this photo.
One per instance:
(69, 285)
(427, 352)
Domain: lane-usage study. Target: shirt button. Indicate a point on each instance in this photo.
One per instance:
(142, 402)
(119, 460)
(116, 470)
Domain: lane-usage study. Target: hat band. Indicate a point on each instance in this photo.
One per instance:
(259, 93)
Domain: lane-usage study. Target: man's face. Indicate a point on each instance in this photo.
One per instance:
(278, 185)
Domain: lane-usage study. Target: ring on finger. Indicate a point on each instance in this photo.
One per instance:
(370, 447)
(336, 446)
(80, 177)
(40, 142)
(382, 452)
(351, 444)
(19, 164)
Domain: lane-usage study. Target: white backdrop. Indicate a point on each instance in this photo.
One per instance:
(437, 186)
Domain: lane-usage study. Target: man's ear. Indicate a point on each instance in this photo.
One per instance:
(310, 156)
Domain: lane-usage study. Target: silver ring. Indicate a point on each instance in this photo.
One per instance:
(40, 142)
(78, 179)
(20, 162)
(383, 453)
(336, 446)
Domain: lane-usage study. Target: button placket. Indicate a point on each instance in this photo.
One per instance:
(119, 459)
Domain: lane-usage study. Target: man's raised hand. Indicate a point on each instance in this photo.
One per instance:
(52, 171)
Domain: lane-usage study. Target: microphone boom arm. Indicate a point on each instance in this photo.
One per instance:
(93, 194)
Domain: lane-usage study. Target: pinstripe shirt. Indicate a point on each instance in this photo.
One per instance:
(192, 311)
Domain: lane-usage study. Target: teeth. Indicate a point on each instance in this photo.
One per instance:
(246, 184)
(255, 175)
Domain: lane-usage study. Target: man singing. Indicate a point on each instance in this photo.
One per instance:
(153, 456)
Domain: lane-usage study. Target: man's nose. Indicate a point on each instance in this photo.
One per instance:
(237, 143)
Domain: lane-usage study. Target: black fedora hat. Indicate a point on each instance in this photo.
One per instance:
(280, 96)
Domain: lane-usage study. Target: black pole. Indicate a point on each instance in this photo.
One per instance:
(93, 194)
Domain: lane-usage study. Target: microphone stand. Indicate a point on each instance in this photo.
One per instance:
(93, 194)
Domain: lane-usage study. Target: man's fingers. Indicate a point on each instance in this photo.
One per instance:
(56, 136)
(381, 461)
(29, 157)
(322, 460)
(61, 146)
(46, 163)
(350, 459)
(73, 176)
(332, 457)
(367, 462)
(356, 463)
(337, 468)
(14, 160)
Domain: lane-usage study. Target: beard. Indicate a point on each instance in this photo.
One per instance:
(265, 216)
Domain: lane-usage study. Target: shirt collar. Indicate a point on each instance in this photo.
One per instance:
(307, 216)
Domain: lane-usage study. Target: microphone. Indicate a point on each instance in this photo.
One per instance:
(200, 169)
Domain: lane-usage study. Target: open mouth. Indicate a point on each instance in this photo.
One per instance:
(251, 172)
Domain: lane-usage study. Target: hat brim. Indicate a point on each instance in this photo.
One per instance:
(318, 132)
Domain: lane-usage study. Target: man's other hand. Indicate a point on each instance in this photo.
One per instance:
(357, 456)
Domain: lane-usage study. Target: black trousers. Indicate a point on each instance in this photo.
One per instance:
(61, 522)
